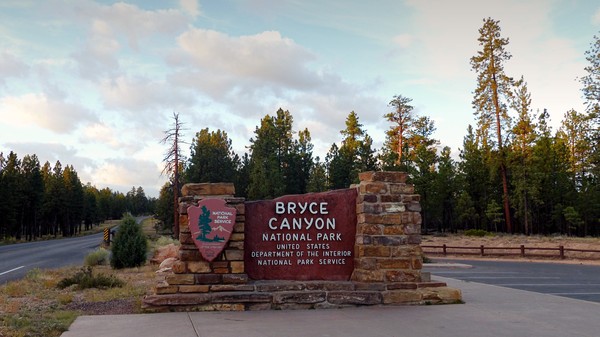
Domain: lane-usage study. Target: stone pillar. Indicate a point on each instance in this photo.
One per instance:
(388, 233)
(192, 273)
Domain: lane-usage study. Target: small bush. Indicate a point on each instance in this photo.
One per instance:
(99, 257)
(129, 247)
(85, 279)
(427, 259)
(477, 232)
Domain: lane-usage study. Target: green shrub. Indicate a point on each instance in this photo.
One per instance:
(477, 232)
(85, 279)
(99, 257)
(129, 246)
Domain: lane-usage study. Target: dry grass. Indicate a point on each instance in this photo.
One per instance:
(35, 306)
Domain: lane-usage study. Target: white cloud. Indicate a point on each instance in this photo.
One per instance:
(122, 173)
(596, 17)
(403, 40)
(45, 112)
(11, 66)
(262, 59)
(100, 133)
(190, 6)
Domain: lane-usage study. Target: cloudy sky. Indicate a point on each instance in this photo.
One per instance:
(95, 83)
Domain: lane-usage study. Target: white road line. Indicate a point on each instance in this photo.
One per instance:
(511, 277)
(546, 284)
(563, 294)
(9, 271)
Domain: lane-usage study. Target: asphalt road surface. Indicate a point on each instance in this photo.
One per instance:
(16, 260)
(569, 280)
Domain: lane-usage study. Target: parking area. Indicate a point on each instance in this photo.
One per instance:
(576, 281)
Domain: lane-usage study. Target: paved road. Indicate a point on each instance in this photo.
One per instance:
(568, 280)
(16, 260)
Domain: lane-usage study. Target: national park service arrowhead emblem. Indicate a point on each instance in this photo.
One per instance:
(211, 224)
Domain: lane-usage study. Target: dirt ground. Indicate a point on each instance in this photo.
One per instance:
(504, 240)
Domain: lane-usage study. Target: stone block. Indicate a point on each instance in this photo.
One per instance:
(199, 267)
(235, 278)
(396, 240)
(441, 295)
(396, 263)
(280, 286)
(402, 286)
(367, 275)
(393, 177)
(193, 289)
(189, 255)
(368, 208)
(241, 297)
(393, 207)
(384, 219)
(363, 240)
(369, 229)
(208, 278)
(373, 188)
(392, 198)
(417, 263)
(369, 286)
(177, 299)
(407, 251)
(355, 297)
(238, 227)
(258, 306)
(221, 270)
(231, 287)
(299, 297)
(236, 245)
(237, 237)
(366, 263)
(394, 230)
(373, 251)
(161, 290)
(329, 286)
(402, 297)
(367, 198)
(234, 255)
(413, 239)
(177, 279)
(402, 188)
(208, 189)
(237, 267)
(392, 276)
(179, 267)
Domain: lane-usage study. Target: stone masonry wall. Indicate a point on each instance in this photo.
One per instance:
(387, 259)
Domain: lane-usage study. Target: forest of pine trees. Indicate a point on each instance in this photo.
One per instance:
(38, 201)
(513, 172)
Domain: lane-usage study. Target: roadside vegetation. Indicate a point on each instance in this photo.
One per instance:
(46, 302)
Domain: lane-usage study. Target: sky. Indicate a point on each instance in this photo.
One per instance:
(95, 84)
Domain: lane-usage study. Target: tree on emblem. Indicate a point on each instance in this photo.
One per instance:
(204, 225)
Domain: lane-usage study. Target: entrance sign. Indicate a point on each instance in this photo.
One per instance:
(211, 225)
(301, 237)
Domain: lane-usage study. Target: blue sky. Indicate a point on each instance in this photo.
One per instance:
(95, 83)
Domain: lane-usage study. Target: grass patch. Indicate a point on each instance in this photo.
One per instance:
(99, 257)
(85, 279)
(477, 232)
(36, 306)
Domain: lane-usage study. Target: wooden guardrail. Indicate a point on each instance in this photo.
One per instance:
(521, 250)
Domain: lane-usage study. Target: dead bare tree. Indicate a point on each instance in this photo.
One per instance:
(172, 159)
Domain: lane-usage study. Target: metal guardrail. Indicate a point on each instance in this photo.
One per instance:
(481, 250)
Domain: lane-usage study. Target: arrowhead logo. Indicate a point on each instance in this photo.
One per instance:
(211, 224)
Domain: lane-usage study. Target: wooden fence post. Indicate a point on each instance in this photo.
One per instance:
(522, 250)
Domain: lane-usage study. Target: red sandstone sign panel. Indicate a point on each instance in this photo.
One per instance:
(301, 237)
(211, 224)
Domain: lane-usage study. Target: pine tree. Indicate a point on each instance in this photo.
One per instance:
(494, 90)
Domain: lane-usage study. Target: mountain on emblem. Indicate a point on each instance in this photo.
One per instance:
(211, 224)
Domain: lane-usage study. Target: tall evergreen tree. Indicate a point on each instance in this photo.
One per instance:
(212, 158)
(491, 97)
(401, 118)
